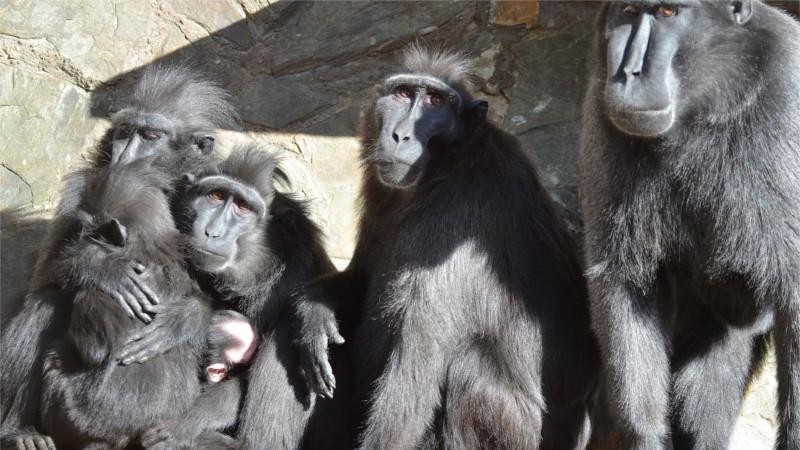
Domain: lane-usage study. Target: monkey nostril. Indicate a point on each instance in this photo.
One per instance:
(637, 73)
(405, 139)
(395, 137)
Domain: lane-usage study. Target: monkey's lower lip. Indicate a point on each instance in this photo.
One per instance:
(385, 164)
(643, 122)
(210, 253)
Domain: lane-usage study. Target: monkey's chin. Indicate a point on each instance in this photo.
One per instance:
(398, 175)
(646, 124)
(209, 262)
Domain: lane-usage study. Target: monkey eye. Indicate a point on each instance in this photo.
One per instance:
(666, 11)
(403, 92)
(241, 207)
(152, 135)
(633, 10)
(434, 99)
(216, 196)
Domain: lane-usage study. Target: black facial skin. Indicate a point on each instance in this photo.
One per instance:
(417, 114)
(691, 217)
(226, 214)
(139, 135)
(463, 309)
(648, 54)
(165, 118)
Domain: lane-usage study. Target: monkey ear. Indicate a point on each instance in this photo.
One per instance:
(114, 233)
(741, 11)
(204, 143)
(187, 180)
(479, 109)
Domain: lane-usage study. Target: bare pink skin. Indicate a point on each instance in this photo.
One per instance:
(247, 341)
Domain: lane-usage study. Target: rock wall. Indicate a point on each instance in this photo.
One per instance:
(299, 73)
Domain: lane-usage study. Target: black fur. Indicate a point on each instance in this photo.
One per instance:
(123, 214)
(464, 302)
(693, 232)
(160, 91)
(274, 256)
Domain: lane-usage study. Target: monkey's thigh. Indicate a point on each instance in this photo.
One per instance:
(484, 408)
(63, 413)
(712, 365)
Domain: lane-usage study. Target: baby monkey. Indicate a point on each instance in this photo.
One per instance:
(232, 341)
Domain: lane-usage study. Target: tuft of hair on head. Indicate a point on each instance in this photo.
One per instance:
(447, 65)
(252, 166)
(130, 192)
(184, 94)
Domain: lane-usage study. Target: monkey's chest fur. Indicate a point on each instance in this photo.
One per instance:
(725, 225)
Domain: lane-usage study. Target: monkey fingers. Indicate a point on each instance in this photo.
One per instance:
(333, 333)
(318, 368)
(133, 304)
(147, 343)
(35, 441)
(158, 438)
(139, 271)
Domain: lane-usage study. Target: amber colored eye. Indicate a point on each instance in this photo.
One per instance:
(633, 10)
(241, 206)
(403, 92)
(666, 11)
(216, 196)
(436, 99)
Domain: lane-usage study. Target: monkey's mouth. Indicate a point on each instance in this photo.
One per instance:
(213, 254)
(397, 173)
(208, 260)
(643, 122)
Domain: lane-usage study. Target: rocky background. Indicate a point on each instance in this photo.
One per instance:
(299, 72)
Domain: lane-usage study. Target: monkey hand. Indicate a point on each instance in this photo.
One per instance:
(318, 329)
(27, 440)
(156, 338)
(130, 286)
(167, 437)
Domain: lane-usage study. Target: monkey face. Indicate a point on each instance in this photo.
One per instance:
(657, 63)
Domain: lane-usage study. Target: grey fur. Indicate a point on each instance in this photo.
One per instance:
(693, 236)
(83, 385)
(24, 338)
(463, 307)
(272, 255)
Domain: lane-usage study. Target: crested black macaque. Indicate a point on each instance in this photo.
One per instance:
(123, 214)
(171, 114)
(464, 300)
(690, 157)
(251, 247)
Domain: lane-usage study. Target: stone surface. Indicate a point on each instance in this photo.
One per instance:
(506, 12)
(300, 73)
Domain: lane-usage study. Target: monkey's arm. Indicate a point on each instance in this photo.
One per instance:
(127, 282)
(216, 409)
(43, 316)
(96, 326)
(316, 309)
(176, 322)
